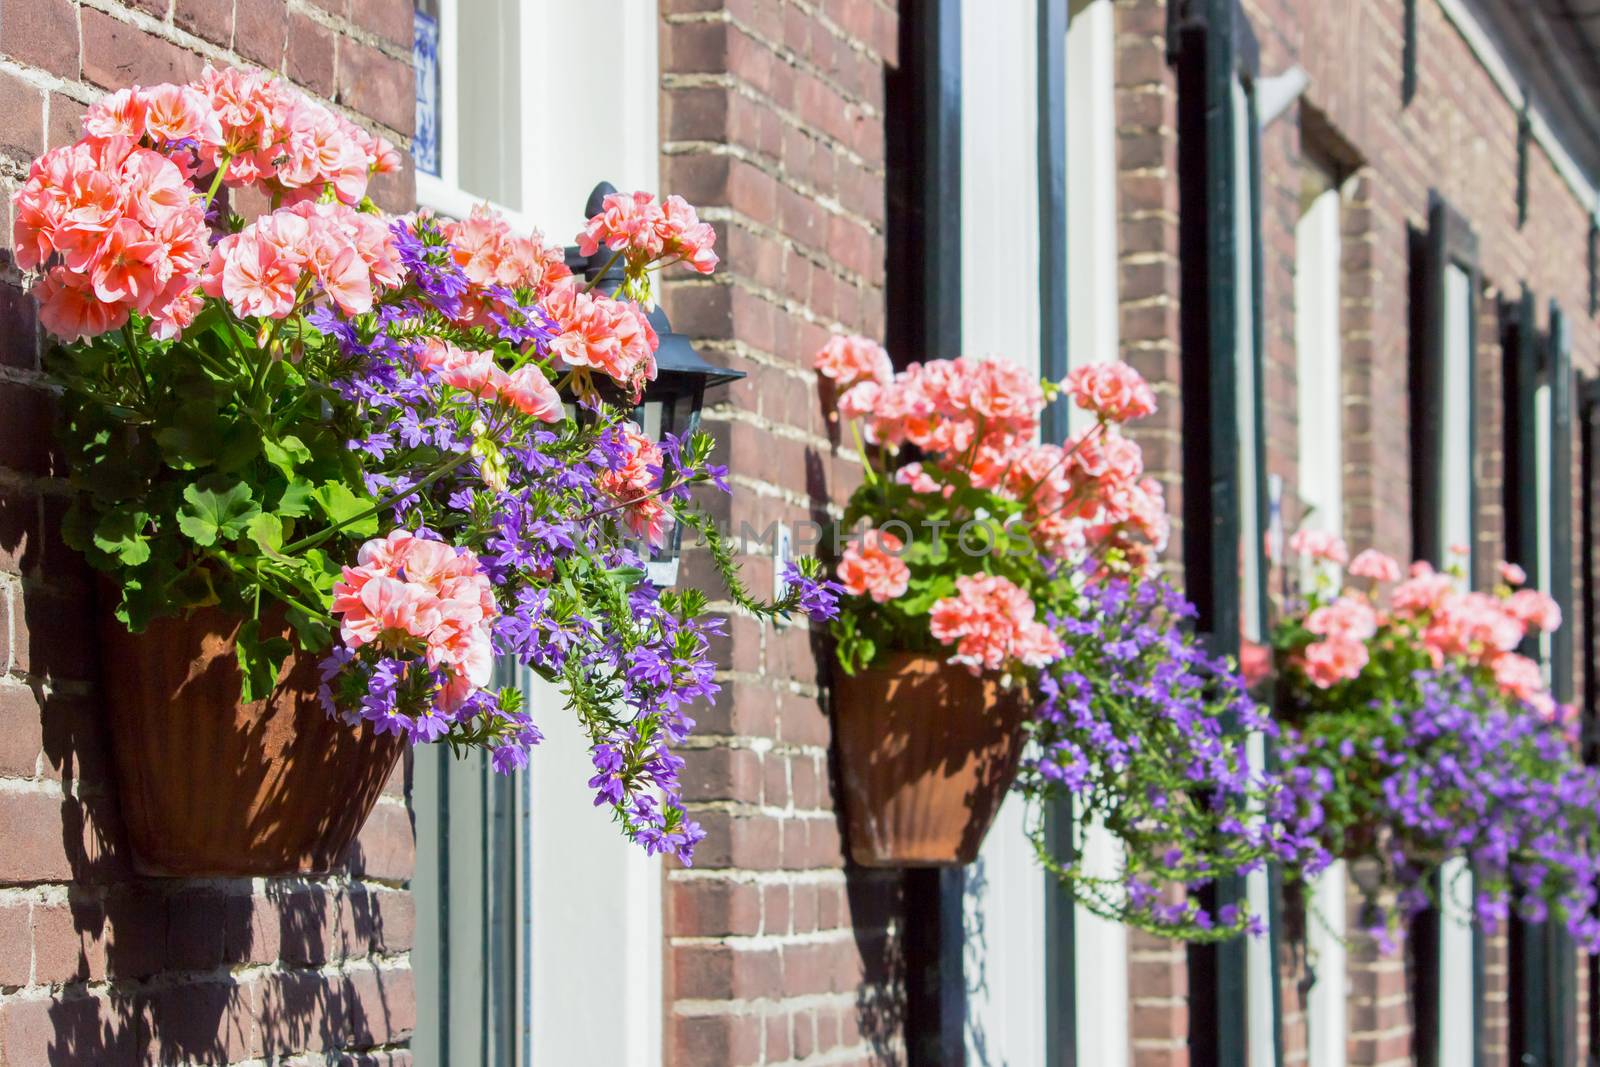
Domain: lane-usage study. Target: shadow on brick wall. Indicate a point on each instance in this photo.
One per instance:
(109, 968)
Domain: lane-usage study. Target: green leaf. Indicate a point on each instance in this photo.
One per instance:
(266, 531)
(286, 453)
(295, 503)
(216, 508)
(340, 505)
(121, 533)
(259, 660)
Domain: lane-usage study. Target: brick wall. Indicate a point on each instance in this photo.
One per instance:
(98, 966)
(1459, 136)
(774, 125)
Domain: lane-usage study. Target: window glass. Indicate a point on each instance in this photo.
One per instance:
(489, 100)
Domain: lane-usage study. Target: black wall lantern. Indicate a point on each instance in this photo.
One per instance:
(671, 404)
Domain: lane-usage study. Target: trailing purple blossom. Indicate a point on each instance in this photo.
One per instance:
(1147, 735)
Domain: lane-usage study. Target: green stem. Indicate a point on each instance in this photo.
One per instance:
(216, 183)
(313, 540)
(861, 450)
(1066, 455)
(138, 360)
(612, 262)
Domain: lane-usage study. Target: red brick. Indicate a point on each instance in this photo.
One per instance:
(387, 19)
(75, 1028)
(42, 33)
(22, 136)
(301, 1011)
(25, 430)
(59, 951)
(196, 930)
(117, 54)
(16, 944)
(21, 731)
(209, 19)
(66, 120)
(309, 927)
(385, 849)
(309, 60)
(377, 85)
(724, 972)
(706, 908)
(33, 845)
(726, 1040)
(205, 1021)
(251, 930)
(721, 774)
(381, 1005)
(260, 29)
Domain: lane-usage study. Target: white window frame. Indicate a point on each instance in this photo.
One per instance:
(1004, 959)
(553, 191)
(1100, 946)
(1320, 441)
(1457, 996)
(599, 923)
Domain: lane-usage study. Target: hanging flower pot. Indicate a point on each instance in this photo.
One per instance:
(926, 754)
(213, 786)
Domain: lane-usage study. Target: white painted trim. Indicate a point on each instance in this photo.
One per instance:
(1319, 385)
(1328, 1003)
(1456, 978)
(1320, 432)
(594, 901)
(1494, 63)
(1100, 946)
(1004, 898)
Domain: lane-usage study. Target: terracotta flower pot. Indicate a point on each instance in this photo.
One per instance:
(926, 754)
(213, 787)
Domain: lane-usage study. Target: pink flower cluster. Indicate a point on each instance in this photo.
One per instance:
(871, 566)
(118, 223)
(1113, 391)
(490, 254)
(119, 230)
(848, 359)
(406, 594)
(979, 417)
(282, 260)
(1322, 545)
(1429, 607)
(636, 486)
(265, 133)
(526, 388)
(645, 231)
(601, 334)
(991, 623)
(1091, 494)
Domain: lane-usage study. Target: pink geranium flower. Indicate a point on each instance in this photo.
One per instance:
(531, 393)
(871, 566)
(991, 623)
(1350, 618)
(1332, 661)
(1114, 391)
(1370, 563)
(851, 359)
(1320, 544)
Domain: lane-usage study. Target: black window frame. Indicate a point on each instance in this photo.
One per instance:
(923, 293)
(1449, 241)
(1212, 45)
(1543, 1026)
